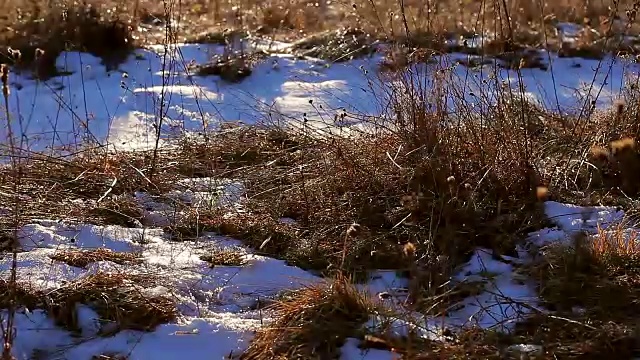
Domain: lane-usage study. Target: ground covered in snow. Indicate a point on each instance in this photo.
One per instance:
(219, 287)
(217, 306)
(121, 107)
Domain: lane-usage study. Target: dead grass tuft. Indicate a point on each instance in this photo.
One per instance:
(232, 68)
(336, 45)
(25, 296)
(616, 167)
(237, 147)
(225, 257)
(119, 299)
(82, 258)
(599, 274)
(311, 323)
(123, 210)
(70, 26)
(468, 343)
(94, 186)
(580, 337)
(537, 337)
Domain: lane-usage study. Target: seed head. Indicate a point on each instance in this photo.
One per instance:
(39, 53)
(622, 145)
(16, 54)
(542, 193)
(353, 230)
(409, 250)
(619, 107)
(599, 153)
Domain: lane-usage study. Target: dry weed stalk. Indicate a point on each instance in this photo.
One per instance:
(15, 220)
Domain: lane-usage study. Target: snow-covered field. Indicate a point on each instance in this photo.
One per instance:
(217, 305)
(123, 107)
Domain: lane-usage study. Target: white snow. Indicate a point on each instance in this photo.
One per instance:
(122, 107)
(216, 304)
(351, 351)
(214, 337)
(506, 296)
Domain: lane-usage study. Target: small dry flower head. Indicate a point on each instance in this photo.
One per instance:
(409, 250)
(16, 54)
(39, 53)
(451, 179)
(353, 230)
(542, 193)
(622, 145)
(619, 104)
(599, 153)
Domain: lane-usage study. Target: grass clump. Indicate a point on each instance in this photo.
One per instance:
(123, 210)
(335, 45)
(225, 257)
(444, 189)
(600, 275)
(23, 295)
(232, 68)
(71, 26)
(589, 284)
(467, 343)
(95, 186)
(312, 323)
(235, 148)
(578, 337)
(119, 299)
(82, 258)
(617, 166)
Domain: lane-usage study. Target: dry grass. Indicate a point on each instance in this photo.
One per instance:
(587, 279)
(82, 258)
(311, 323)
(593, 283)
(580, 337)
(94, 186)
(359, 201)
(471, 343)
(555, 337)
(444, 189)
(119, 299)
(224, 257)
(68, 26)
(110, 30)
(617, 166)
